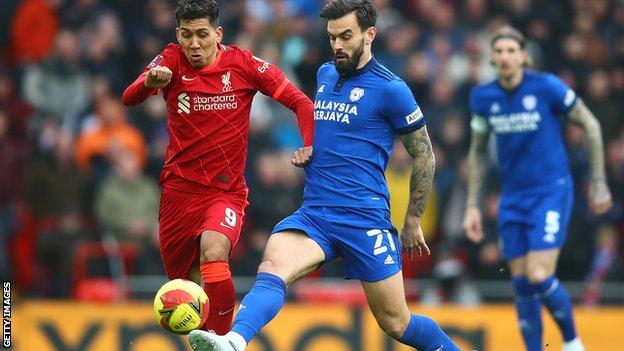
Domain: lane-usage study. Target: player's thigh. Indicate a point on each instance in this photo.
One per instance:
(177, 233)
(549, 219)
(386, 299)
(367, 241)
(518, 266)
(291, 255)
(541, 264)
(222, 214)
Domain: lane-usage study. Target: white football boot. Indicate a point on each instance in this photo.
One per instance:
(201, 340)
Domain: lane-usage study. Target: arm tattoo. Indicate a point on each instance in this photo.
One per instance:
(582, 116)
(418, 145)
(477, 166)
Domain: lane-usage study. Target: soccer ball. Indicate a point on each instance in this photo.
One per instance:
(181, 306)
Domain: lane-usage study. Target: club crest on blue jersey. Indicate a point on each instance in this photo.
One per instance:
(356, 94)
(529, 102)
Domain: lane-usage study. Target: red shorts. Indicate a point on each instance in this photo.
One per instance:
(184, 216)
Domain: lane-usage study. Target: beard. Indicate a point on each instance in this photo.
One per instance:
(352, 61)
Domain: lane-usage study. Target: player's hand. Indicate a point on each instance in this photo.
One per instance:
(600, 197)
(302, 156)
(158, 77)
(412, 238)
(473, 224)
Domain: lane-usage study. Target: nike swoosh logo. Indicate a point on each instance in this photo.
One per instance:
(188, 79)
(225, 225)
(221, 313)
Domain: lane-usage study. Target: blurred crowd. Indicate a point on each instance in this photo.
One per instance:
(78, 168)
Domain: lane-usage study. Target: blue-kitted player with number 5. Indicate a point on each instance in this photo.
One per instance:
(360, 108)
(526, 111)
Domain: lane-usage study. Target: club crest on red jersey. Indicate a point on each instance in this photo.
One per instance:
(227, 85)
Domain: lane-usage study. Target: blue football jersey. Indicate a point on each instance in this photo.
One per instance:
(356, 119)
(528, 125)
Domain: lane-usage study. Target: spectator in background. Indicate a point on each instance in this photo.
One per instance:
(127, 202)
(54, 185)
(108, 127)
(59, 87)
(34, 29)
(13, 161)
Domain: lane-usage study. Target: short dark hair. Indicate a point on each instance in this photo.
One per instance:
(364, 10)
(508, 32)
(194, 9)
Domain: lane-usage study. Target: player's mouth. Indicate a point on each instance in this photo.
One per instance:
(341, 57)
(196, 57)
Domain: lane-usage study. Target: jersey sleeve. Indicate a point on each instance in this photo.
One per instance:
(265, 77)
(478, 119)
(401, 109)
(169, 58)
(560, 96)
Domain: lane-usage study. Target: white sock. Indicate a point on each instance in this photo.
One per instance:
(574, 345)
(237, 340)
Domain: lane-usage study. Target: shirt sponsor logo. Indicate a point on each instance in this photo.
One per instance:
(334, 111)
(321, 89)
(206, 103)
(184, 104)
(356, 94)
(414, 116)
(515, 122)
(187, 79)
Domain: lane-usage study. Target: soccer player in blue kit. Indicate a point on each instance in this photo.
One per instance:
(526, 110)
(360, 108)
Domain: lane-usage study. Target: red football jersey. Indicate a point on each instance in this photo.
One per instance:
(208, 113)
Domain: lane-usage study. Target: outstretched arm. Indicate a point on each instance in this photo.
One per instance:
(418, 145)
(294, 99)
(477, 166)
(600, 196)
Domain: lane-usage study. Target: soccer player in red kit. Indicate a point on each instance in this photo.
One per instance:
(209, 88)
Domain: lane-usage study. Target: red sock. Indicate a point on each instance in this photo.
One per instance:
(219, 287)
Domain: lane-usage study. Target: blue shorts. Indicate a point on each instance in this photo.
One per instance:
(534, 220)
(364, 238)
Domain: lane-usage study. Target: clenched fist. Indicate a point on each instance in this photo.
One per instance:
(158, 77)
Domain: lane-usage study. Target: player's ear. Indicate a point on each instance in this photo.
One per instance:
(370, 35)
(178, 34)
(219, 32)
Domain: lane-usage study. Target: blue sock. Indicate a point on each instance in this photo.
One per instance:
(558, 302)
(260, 305)
(529, 309)
(425, 335)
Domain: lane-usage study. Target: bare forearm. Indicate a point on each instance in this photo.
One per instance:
(477, 166)
(419, 147)
(582, 116)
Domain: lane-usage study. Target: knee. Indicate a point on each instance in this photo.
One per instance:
(214, 253)
(393, 324)
(269, 265)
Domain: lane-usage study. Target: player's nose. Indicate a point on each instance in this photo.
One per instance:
(195, 43)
